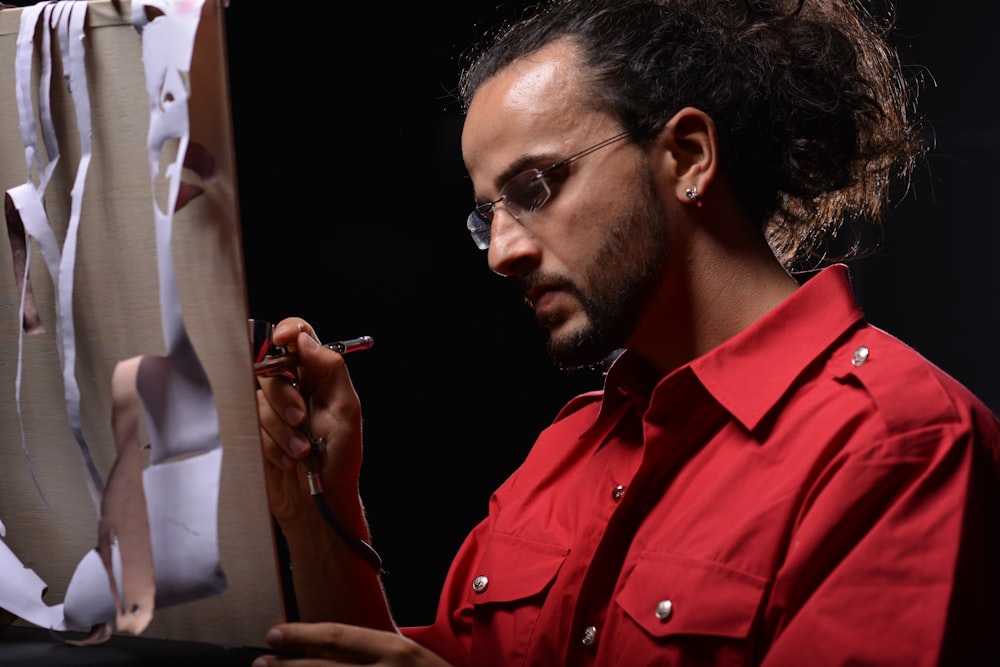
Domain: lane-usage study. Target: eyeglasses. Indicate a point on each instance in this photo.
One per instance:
(523, 194)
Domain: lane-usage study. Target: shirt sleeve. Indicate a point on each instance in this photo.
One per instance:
(893, 559)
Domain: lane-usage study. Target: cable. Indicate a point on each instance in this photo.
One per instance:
(358, 545)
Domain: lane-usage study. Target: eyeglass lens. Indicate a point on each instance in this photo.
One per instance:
(524, 193)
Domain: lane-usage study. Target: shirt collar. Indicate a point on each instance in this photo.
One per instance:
(749, 373)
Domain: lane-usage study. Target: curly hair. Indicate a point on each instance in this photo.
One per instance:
(812, 107)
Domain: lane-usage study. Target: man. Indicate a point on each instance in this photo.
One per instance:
(766, 478)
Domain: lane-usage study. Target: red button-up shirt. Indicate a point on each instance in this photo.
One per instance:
(811, 492)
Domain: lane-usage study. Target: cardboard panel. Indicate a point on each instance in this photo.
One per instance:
(117, 316)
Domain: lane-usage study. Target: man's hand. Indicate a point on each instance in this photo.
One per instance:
(339, 644)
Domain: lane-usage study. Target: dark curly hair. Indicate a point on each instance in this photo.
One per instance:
(812, 107)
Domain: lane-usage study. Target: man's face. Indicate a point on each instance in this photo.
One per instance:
(591, 257)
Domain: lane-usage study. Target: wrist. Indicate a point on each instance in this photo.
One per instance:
(325, 531)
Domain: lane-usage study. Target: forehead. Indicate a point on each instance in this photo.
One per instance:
(531, 107)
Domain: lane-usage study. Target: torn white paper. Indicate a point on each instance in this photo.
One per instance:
(156, 541)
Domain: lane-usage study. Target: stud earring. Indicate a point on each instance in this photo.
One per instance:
(692, 194)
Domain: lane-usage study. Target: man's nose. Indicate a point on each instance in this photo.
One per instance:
(513, 247)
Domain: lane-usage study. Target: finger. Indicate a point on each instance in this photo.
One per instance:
(323, 367)
(282, 443)
(335, 641)
(286, 332)
(272, 451)
(285, 399)
(283, 660)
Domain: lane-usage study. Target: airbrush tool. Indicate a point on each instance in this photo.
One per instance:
(270, 359)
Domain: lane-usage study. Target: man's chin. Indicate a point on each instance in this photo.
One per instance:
(574, 359)
(562, 332)
(570, 350)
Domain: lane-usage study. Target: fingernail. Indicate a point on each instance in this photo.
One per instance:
(298, 445)
(313, 343)
(259, 662)
(294, 414)
(274, 636)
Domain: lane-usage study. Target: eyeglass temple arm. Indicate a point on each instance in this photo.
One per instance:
(574, 158)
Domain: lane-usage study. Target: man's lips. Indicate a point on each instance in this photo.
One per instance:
(542, 300)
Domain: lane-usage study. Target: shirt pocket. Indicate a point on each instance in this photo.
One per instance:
(506, 594)
(669, 595)
(513, 569)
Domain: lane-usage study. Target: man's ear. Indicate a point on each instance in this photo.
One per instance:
(689, 154)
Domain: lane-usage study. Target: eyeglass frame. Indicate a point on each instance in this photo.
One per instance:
(480, 220)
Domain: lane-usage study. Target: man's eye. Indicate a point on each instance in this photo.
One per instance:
(534, 195)
(528, 191)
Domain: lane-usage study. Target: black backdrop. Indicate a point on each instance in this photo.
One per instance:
(353, 198)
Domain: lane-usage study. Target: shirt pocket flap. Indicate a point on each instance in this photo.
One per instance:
(671, 595)
(514, 569)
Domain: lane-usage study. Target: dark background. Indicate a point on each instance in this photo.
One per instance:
(353, 201)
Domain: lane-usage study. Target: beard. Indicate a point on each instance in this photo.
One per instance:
(620, 279)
